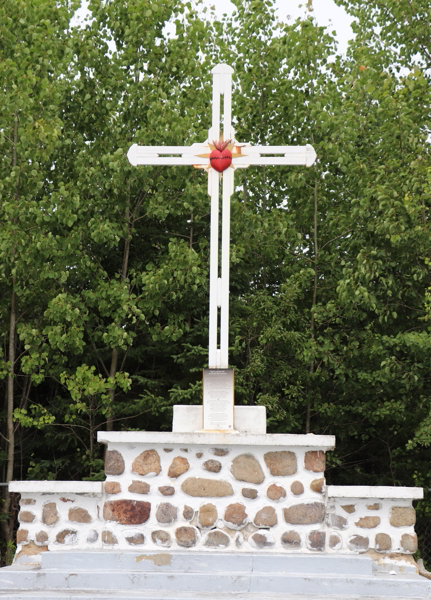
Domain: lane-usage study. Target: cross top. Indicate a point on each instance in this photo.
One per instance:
(220, 164)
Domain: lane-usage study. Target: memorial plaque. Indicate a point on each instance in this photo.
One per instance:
(218, 399)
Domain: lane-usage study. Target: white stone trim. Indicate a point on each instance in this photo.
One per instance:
(326, 442)
(379, 491)
(56, 487)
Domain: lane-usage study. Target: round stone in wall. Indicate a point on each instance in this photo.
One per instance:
(409, 543)
(207, 515)
(50, 515)
(318, 485)
(200, 487)
(112, 487)
(276, 492)
(305, 514)
(336, 521)
(266, 517)
(68, 537)
(109, 538)
(41, 537)
(403, 516)
(235, 516)
(261, 539)
(368, 522)
(79, 515)
(161, 538)
(114, 463)
(92, 536)
(214, 466)
(166, 513)
(186, 536)
(26, 516)
(291, 539)
(358, 543)
(316, 540)
(135, 539)
(139, 487)
(297, 488)
(220, 451)
(383, 542)
(22, 536)
(335, 541)
(375, 506)
(188, 513)
(167, 490)
(249, 493)
(281, 463)
(246, 467)
(349, 508)
(127, 512)
(178, 466)
(27, 501)
(314, 460)
(217, 539)
(147, 463)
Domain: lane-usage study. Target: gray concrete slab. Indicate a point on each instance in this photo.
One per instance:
(104, 575)
(143, 595)
(383, 586)
(204, 562)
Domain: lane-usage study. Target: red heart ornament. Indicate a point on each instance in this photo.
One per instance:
(221, 157)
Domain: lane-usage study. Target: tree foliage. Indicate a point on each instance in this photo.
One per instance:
(104, 270)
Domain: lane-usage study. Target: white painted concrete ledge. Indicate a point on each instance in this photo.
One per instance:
(325, 442)
(378, 491)
(56, 487)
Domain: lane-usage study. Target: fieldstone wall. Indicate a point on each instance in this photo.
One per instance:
(359, 525)
(197, 497)
(58, 521)
(225, 497)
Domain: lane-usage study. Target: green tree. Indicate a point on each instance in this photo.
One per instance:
(330, 265)
(397, 29)
(33, 54)
(135, 272)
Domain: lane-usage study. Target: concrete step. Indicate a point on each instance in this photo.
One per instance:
(205, 562)
(142, 595)
(17, 579)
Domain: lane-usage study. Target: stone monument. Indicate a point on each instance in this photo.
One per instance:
(216, 508)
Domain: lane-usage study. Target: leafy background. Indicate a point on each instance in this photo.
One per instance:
(104, 267)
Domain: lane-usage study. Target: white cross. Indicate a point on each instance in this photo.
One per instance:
(197, 155)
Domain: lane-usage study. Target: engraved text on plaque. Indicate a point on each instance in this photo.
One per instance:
(218, 399)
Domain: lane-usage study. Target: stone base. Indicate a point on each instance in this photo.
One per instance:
(214, 492)
(209, 516)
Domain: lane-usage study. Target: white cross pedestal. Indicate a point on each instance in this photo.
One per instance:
(243, 155)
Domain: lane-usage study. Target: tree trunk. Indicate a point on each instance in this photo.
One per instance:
(112, 373)
(7, 526)
(114, 354)
(314, 300)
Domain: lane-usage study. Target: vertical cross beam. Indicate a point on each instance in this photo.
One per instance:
(198, 155)
(219, 286)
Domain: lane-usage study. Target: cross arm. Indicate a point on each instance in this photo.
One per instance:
(287, 155)
(168, 155)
